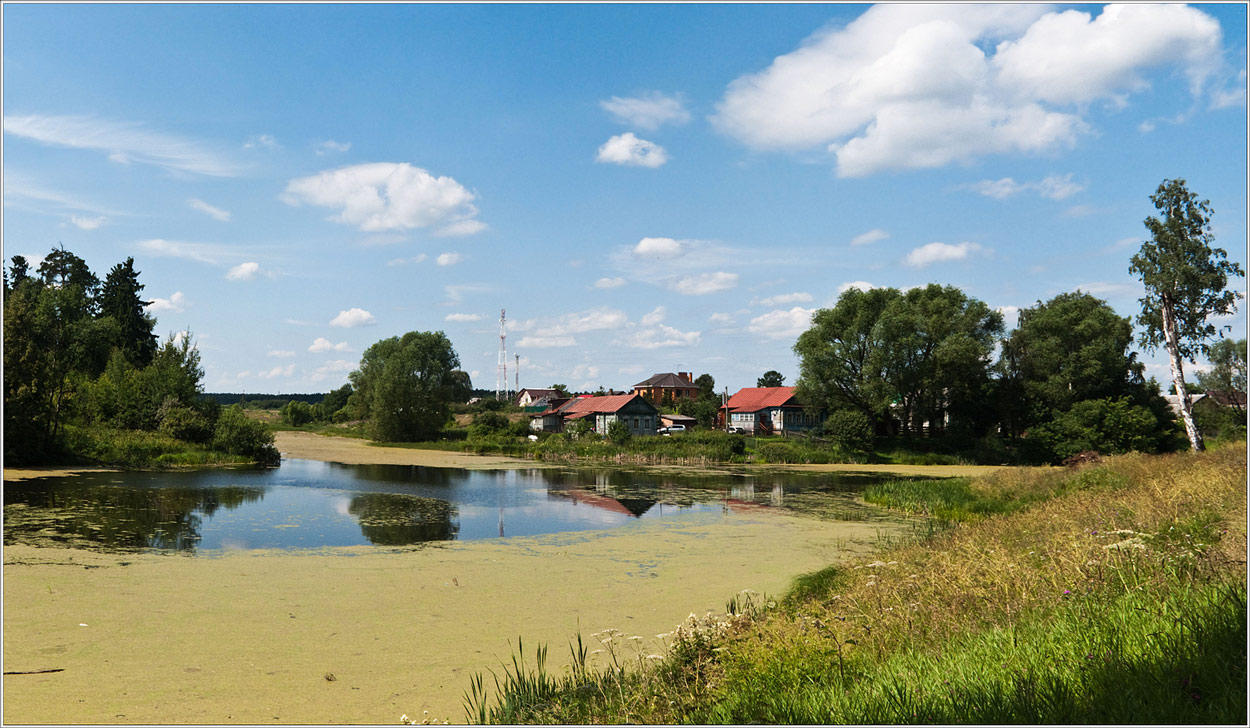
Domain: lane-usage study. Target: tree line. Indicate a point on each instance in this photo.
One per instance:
(81, 359)
(1065, 380)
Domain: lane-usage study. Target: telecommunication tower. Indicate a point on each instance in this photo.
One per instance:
(501, 375)
(516, 372)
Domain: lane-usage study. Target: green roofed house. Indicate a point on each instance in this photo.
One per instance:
(639, 414)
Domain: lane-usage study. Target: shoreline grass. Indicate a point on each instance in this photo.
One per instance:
(1113, 593)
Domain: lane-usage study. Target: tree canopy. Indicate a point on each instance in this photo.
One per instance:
(404, 386)
(1186, 281)
(771, 378)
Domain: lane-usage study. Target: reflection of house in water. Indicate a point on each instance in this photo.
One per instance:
(633, 507)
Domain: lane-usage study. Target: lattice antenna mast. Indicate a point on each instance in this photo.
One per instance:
(516, 372)
(501, 375)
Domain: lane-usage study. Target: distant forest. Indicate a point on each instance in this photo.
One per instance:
(261, 400)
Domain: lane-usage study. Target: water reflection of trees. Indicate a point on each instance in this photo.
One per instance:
(108, 516)
(394, 519)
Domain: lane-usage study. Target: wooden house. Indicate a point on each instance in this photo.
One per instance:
(639, 414)
(528, 397)
(768, 411)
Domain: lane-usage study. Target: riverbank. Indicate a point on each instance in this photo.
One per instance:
(363, 635)
(354, 451)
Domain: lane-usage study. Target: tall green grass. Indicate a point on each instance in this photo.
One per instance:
(141, 449)
(1108, 594)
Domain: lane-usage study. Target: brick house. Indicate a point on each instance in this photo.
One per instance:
(677, 387)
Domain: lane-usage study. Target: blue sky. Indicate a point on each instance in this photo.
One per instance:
(644, 188)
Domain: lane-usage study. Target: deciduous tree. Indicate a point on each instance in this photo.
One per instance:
(405, 385)
(1186, 281)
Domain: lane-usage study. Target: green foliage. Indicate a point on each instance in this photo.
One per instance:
(1071, 348)
(923, 354)
(771, 378)
(618, 432)
(579, 428)
(184, 423)
(850, 431)
(1106, 426)
(488, 424)
(337, 399)
(404, 386)
(1186, 278)
(296, 414)
(119, 300)
(1228, 367)
(238, 434)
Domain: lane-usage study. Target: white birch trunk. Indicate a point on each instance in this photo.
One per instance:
(1178, 376)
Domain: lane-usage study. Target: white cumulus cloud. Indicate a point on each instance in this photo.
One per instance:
(546, 342)
(462, 317)
(939, 253)
(782, 324)
(658, 248)
(609, 282)
(783, 299)
(176, 303)
(278, 371)
(648, 111)
(1053, 187)
(922, 86)
(243, 271)
(860, 285)
(353, 317)
(449, 259)
(631, 151)
(321, 344)
(389, 196)
(329, 146)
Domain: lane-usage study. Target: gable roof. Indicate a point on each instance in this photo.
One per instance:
(579, 407)
(536, 393)
(754, 399)
(667, 379)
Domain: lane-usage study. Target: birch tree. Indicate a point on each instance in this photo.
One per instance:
(1186, 281)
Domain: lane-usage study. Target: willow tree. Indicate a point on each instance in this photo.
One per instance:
(1186, 281)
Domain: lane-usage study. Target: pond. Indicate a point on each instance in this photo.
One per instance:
(310, 504)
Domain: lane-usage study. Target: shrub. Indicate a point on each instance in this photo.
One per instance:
(850, 431)
(296, 414)
(1107, 426)
(237, 434)
(183, 423)
(487, 423)
(618, 432)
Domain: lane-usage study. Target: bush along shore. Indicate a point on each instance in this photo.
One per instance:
(1110, 593)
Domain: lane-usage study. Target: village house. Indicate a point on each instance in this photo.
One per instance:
(768, 411)
(529, 397)
(675, 387)
(639, 414)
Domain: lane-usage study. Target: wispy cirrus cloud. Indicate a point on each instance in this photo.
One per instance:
(939, 253)
(123, 142)
(872, 236)
(648, 111)
(1053, 187)
(329, 146)
(214, 212)
(86, 223)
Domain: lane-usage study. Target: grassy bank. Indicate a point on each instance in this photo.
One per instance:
(111, 447)
(1111, 594)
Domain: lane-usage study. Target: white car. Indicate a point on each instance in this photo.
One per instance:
(671, 429)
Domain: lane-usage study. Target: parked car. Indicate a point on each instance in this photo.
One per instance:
(671, 429)
(738, 430)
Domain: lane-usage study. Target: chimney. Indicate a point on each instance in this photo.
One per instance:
(688, 376)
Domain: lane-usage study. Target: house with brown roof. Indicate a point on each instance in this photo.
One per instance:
(640, 415)
(529, 396)
(768, 411)
(676, 387)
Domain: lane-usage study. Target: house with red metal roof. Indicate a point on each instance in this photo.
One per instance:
(768, 411)
(639, 414)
